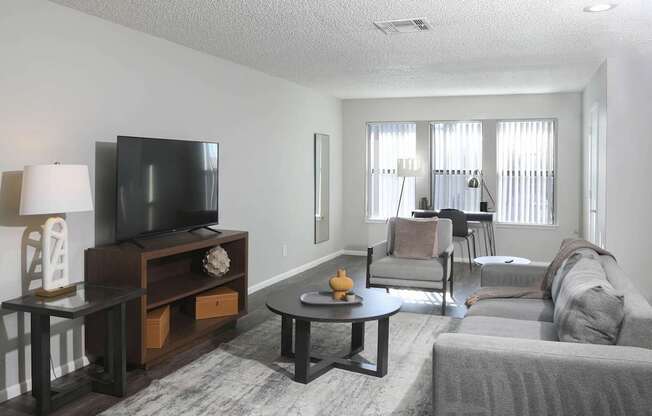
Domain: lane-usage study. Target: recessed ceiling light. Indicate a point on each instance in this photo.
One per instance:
(601, 7)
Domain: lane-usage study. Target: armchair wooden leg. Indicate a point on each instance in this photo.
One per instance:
(370, 254)
(452, 274)
(451, 282)
(468, 247)
(443, 296)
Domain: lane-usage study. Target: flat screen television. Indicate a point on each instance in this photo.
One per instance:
(165, 185)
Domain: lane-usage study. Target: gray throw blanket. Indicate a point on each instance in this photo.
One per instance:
(568, 247)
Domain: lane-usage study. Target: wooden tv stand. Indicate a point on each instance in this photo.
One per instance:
(170, 269)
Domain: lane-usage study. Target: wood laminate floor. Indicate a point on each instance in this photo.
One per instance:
(416, 302)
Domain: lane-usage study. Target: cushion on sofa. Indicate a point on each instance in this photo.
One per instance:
(505, 327)
(636, 329)
(588, 309)
(415, 238)
(444, 235)
(408, 269)
(567, 265)
(527, 309)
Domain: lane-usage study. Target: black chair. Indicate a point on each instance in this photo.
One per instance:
(461, 230)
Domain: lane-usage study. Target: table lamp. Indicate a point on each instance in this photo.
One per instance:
(55, 189)
(407, 168)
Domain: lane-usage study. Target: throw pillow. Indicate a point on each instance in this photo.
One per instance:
(415, 238)
(588, 309)
(566, 266)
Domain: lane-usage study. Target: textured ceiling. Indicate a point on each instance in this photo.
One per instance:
(475, 47)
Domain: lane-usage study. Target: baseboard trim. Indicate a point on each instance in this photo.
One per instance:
(295, 271)
(24, 386)
(354, 253)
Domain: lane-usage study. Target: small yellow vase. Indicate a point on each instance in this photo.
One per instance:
(340, 284)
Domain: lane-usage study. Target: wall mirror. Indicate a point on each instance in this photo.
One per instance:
(322, 191)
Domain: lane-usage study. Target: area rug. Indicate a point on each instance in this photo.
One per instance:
(247, 376)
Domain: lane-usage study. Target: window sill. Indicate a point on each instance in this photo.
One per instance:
(374, 221)
(508, 225)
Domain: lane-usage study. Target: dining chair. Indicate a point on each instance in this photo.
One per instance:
(461, 230)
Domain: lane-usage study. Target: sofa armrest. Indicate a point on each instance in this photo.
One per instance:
(446, 260)
(512, 376)
(377, 251)
(512, 275)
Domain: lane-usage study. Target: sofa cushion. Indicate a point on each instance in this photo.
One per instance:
(408, 269)
(588, 309)
(636, 329)
(415, 238)
(408, 284)
(527, 309)
(505, 327)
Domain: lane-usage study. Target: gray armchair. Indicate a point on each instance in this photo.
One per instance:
(384, 270)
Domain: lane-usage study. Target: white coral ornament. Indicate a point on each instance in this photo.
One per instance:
(216, 261)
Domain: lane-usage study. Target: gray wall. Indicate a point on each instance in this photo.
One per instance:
(69, 81)
(536, 242)
(629, 150)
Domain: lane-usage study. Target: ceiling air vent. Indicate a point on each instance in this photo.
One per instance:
(394, 27)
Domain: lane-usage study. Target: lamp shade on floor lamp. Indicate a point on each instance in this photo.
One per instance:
(407, 168)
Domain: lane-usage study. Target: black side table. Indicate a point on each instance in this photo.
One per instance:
(88, 299)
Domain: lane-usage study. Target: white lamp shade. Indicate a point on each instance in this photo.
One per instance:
(408, 168)
(55, 189)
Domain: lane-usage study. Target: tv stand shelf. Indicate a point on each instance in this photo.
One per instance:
(171, 289)
(170, 269)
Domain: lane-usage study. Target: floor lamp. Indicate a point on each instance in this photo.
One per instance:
(473, 182)
(407, 168)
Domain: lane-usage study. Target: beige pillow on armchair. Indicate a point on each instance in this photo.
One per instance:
(415, 238)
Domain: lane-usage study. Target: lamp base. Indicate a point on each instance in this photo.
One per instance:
(42, 293)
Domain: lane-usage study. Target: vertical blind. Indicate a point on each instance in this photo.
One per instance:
(456, 155)
(387, 142)
(526, 171)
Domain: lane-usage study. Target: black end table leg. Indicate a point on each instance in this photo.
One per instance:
(116, 321)
(115, 359)
(302, 353)
(40, 337)
(286, 336)
(383, 347)
(357, 337)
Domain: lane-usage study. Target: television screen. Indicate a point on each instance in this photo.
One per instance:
(165, 185)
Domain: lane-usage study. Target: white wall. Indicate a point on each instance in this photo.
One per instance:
(537, 243)
(629, 153)
(69, 80)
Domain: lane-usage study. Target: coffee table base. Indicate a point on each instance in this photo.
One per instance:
(304, 372)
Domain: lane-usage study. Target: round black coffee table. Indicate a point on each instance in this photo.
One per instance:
(377, 306)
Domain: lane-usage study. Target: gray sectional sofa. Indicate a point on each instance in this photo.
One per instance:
(505, 357)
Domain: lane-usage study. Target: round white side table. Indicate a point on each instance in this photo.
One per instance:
(500, 260)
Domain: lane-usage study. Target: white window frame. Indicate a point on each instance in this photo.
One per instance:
(368, 219)
(555, 203)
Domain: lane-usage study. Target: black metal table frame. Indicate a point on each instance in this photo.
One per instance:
(112, 381)
(304, 372)
(486, 219)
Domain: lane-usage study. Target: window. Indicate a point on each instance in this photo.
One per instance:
(456, 156)
(526, 171)
(386, 143)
